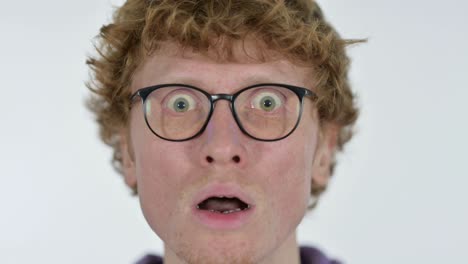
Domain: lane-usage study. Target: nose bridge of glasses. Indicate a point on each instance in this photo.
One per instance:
(217, 97)
(227, 97)
(217, 114)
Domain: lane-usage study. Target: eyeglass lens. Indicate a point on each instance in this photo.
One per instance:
(264, 112)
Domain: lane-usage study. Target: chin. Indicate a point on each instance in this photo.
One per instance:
(219, 249)
(217, 256)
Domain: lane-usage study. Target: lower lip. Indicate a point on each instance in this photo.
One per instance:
(220, 221)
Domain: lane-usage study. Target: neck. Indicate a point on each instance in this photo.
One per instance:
(288, 252)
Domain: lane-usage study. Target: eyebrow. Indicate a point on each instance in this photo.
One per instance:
(247, 81)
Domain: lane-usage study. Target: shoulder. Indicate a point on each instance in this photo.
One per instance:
(311, 255)
(150, 259)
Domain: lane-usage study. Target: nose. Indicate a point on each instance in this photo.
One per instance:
(223, 143)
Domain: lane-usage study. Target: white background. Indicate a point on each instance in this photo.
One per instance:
(399, 192)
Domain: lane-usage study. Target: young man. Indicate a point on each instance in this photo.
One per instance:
(225, 117)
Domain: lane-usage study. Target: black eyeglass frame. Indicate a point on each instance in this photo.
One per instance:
(301, 92)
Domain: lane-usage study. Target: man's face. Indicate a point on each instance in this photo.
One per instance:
(274, 178)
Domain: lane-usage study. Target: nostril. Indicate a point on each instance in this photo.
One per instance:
(236, 159)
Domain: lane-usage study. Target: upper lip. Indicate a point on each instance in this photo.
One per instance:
(228, 190)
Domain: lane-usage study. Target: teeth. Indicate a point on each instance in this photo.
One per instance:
(231, 211)
(223, 196)
(227, 211)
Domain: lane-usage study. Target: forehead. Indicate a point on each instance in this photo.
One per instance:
(246, 64)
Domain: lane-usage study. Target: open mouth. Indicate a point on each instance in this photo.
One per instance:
(223, 205)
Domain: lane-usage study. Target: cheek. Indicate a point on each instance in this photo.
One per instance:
(291, 176)
(156, 163)
(158, 170)
(290, 187)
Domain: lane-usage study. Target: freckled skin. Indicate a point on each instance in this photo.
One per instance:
(277, 175)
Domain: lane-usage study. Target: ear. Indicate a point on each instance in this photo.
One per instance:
(128, 161)
(325, 154)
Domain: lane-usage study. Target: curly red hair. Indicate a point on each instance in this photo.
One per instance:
(296, 29)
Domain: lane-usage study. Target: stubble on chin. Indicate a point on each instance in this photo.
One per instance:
(194, 254)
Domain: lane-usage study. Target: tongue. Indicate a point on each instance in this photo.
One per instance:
(221, 204)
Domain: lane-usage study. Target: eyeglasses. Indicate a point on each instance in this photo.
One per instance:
(180, 112)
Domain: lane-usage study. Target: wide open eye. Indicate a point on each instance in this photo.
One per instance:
(267, 101)
(181, 102)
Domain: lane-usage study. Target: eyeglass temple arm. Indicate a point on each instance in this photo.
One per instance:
(134, 98)
(310, 94)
